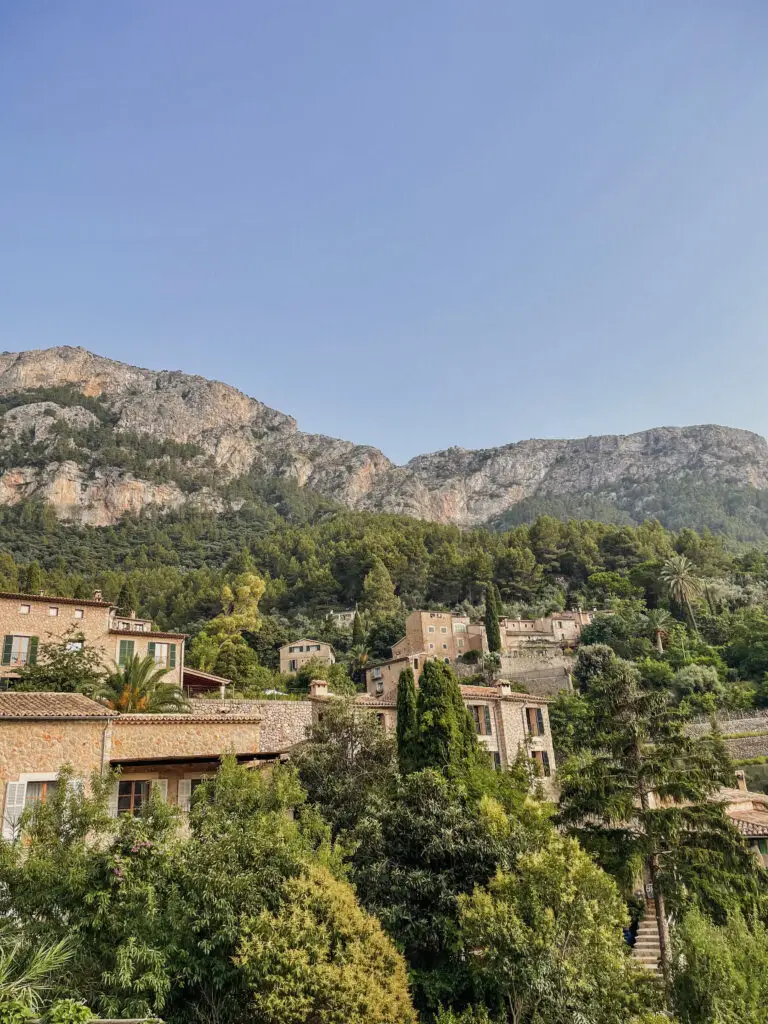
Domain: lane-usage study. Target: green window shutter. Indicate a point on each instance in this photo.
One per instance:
(7, 649)
(488, 730)
(33, 642)
(172, 656)
(151, 650)
(125, 652)
(539, 722)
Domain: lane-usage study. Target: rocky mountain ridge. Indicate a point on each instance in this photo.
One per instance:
(192, 435)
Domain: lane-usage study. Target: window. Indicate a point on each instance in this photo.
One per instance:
(431, 647)
(293, 665)
(19, 650)
(74, 645)
(124, 652)
(53, 611)
(482, 716)
(415, 662)
(459, 627)
(762, 846)
(445, 647)
(459, 643)
(39, 792)
(380, 719)
(79, 613)
(541, 757)
(377, 673)
(163, 654)
(379, 687)
(497, 760)
(430, 629)
(443, 629)
(24, 609)
(535, 721)
(131, 796)
(447, 661)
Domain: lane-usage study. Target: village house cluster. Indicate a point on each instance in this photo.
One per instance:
(40, 733)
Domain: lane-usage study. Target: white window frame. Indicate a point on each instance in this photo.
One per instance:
(10, 824)
(79, 613)
(25, 609)
(53, 611)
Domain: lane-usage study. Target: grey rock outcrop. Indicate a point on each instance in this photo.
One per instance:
(237, 434)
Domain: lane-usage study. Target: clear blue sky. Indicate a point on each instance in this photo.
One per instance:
(409, 223)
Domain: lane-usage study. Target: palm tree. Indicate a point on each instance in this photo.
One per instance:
(26, 976)
(658, 624)
(138, 686)
(681, 583)
(359, 660)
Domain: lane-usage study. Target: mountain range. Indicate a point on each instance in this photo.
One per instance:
(96, 439)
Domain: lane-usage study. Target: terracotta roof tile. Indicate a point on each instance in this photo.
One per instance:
(51, 705)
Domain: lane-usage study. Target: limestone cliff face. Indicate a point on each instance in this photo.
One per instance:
(236, 434)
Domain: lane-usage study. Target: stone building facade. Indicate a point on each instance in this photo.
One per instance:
(298, 653)
(40, 733)
(29, 620)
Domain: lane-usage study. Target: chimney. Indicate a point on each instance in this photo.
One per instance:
(132, 614)
(741, 781)
(97, 595)
(505, 689)
(318, 688)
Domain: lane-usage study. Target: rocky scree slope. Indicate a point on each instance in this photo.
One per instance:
(98, 438)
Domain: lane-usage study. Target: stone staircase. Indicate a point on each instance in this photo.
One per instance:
(647, 948)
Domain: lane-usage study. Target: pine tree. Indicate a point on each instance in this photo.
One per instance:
(639, 790)
(128, 598)
(33, 578)
(379, 596)
(492, 630)
(358, 633)
(407, 722)
(446, 736)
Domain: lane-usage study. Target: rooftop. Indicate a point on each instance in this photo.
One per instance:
(51, 705)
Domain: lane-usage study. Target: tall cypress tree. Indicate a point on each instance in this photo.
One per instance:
(446, 737)
(492, 631)
(33, 578)
(358, 633)
(407, 722)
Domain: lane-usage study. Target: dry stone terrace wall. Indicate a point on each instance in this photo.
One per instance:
(745, 734)
(284, 723)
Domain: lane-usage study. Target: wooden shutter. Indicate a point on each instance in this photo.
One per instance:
(15, 795)
(162, 787)
(151, 650)
(184, 798)
(32, 656)
(125, 652)
(488, 729)
(171, 655)
(7, 649)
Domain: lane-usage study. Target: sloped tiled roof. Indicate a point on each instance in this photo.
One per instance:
(51, 705)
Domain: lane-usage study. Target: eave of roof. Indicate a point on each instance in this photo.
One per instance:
(206, 675)
(53, 599)
(148, 632)
(194, 719)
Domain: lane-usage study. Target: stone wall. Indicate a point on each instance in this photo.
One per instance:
(741, 747)
(543, 673)
(142, 737)
(284, 723)
(44, 746)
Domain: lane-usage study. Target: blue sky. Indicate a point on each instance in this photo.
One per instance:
(409, 223)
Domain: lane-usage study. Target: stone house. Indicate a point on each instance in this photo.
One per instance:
(40, 733)
(344, 620)
(440, 635)
(28, 620)
(506, 722)
(295, 655)
(556, 630)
